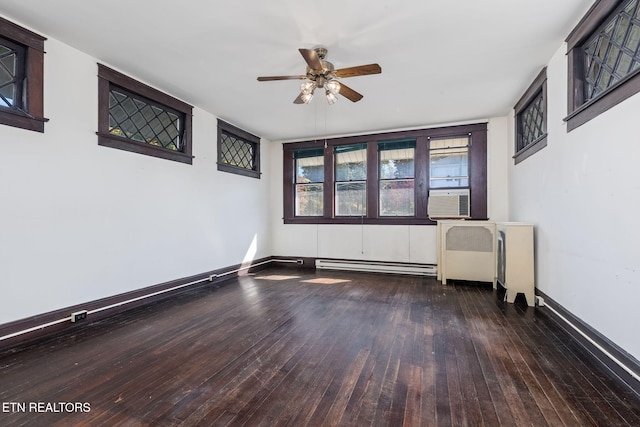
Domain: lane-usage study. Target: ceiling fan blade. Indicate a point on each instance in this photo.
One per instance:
(361, 70)
(349, 93)
(298, 100)
(311, 56)
(269, 78)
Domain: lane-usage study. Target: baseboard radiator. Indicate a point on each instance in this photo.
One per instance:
(377, 267)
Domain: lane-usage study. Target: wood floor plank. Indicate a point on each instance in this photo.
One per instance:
(294, 347)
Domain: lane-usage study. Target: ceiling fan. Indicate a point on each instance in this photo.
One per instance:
(321, 74)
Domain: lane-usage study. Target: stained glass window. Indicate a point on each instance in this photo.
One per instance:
(612, 53)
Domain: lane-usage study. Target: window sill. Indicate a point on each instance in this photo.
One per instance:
(22, 120)
(360, 221)
(530, 149)
(108, 140)
(224, 167)
(617, 93)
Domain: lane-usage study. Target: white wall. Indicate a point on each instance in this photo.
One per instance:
(399, 243)
(583, 193)
(80, 222)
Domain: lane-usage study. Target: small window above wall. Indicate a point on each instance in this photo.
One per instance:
(531, 119)
(21, 77)
(603, 59)
(135, 117)
(238, 151)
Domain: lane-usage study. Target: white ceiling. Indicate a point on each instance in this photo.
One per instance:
(442, 61)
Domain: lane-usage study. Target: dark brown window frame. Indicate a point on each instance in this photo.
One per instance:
(537, 87)
(108, 77)
(581, 111)
(31, 115)
(477, 171)
(245, 137)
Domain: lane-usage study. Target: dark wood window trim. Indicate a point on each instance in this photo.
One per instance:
(245, 137)
(537, 88)
(31, 115)
(108, 77)
(581, 111)
(477, 171)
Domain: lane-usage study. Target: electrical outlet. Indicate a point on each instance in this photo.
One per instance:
(79, 315)
(539, 301)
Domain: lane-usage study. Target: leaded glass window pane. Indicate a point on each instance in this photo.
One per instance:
(351, 180)
(237, 152)
(613, 52)
(449, 163)
(11, 74)
(135, 118)
(531, 122)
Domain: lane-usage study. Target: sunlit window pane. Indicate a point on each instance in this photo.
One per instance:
(351, 198)
(397, 198)
(396, 173)
(309, 167)
(351, 176)
(309, 199)
(449, 163)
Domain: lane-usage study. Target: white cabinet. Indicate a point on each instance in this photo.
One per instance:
(485, 251)
(467, 251)
(515, 260)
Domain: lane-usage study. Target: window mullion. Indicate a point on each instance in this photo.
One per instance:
(421, 186)
(372, 180)
(329, 184)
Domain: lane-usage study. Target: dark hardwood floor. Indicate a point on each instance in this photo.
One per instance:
(299, 347)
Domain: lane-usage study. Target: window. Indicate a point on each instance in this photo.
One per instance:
(604, 59)
(531, 119)
(135, 117)
(383, 178)
(21, 77)
(396, 177)
(309, 181)
(449, 163)
(238, 151)
(351, 180)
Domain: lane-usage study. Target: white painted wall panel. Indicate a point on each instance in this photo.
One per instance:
(80, 222)
(582, 192)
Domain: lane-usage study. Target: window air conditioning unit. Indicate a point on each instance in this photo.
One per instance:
(449, 204)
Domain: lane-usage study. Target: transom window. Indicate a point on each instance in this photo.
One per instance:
(384, 178)
(613, 52)
(604, 59)
(531, 119)
(531, 122)
(138, 118)
(21, 77)
(238, 151)
(135, 118)
(11, 74)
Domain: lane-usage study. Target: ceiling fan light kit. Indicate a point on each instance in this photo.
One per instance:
(322, 74)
